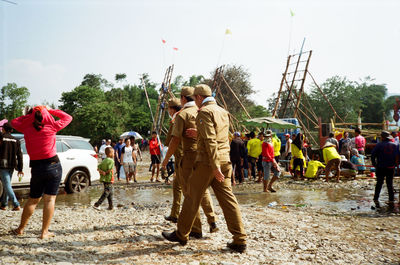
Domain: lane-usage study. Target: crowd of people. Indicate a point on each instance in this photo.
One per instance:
(200, 153)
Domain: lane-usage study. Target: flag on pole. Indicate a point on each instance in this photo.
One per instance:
(228, 32)
(163, 41)
(175, 49)
(291, 13)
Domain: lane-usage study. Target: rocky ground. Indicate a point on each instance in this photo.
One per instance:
(277, 234)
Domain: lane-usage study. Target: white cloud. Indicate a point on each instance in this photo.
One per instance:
(45, 82)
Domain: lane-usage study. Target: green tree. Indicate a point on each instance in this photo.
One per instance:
(372, 98)
(13, 100)
(256, 111)
(389, 106)
(344, 95)
(238, 79)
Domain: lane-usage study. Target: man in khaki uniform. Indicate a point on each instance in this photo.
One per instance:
(174, 107)
(186, 119)
(212, 168)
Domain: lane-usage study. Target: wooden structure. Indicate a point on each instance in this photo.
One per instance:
(217, 82)
(162, 104)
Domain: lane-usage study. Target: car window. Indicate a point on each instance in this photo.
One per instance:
(79, 144)
(61, 147)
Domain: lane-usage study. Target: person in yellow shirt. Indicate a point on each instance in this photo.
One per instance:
(315, 167)
(254, 151)
(332, 160)
(276, 142)
(298, 157)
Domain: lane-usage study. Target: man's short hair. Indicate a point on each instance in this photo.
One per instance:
(7, 127)
(331, 134)
(108, 150)
(357, 130)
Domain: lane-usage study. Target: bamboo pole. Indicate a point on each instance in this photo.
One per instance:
(147, 97)
(234, 94)
(326, 99)
(280, 87)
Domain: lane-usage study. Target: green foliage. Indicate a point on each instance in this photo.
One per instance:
(120, 77)
(102, 114)
(372, 98)
(344, 95)
(256, 111)
(389, 106)
(13, 100)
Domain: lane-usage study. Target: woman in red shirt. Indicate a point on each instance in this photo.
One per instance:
(39, 129)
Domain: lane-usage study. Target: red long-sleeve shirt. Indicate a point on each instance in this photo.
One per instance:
(41, 144)
(267, 152)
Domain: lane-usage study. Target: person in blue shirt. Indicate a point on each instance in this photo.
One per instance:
(358, 160)
(117, 156)
(385, 157)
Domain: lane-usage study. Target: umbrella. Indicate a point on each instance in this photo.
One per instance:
(2, 122)
(271, 123)
(131, 133)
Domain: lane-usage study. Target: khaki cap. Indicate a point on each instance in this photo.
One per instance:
(187, 91)
(174, 102)
(202, 90)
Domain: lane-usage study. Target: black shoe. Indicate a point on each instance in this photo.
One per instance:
(213, 228)
(237, 247)
(271, 190)
(173, 237)
(196, 235)
(171, 219)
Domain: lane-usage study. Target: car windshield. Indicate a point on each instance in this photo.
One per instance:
(78, 144)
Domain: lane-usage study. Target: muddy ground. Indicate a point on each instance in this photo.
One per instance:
(305, 222)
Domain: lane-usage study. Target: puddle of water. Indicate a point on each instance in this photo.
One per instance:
(336, 200)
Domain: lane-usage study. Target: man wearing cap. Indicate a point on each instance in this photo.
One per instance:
(237, 156)
(174, 107)
(384, 157)
(332, 160)
(288, 151)
(212, 168)
(186, 119)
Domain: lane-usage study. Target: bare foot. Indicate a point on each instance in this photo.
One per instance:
(17, 232)
(47, 235)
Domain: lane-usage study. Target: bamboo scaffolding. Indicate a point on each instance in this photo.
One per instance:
(326, 99)
(147, 98)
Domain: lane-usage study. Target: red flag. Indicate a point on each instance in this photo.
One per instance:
(163, 41)
(175, 49)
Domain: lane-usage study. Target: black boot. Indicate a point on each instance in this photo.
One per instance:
(196, 235)
(213, 228)
(237, 247)
(173, 237)
(171, 219)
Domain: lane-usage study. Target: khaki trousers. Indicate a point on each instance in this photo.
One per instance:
(200, 180)
(176, 190)
(206, 202)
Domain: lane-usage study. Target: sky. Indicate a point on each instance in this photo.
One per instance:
(48, 46)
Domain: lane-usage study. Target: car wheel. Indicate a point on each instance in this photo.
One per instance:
(78, 181)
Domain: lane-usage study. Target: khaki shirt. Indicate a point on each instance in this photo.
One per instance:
(179, 151)
(213, 135)
(184, 120)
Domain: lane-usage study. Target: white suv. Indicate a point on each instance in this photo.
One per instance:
(78, 161)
